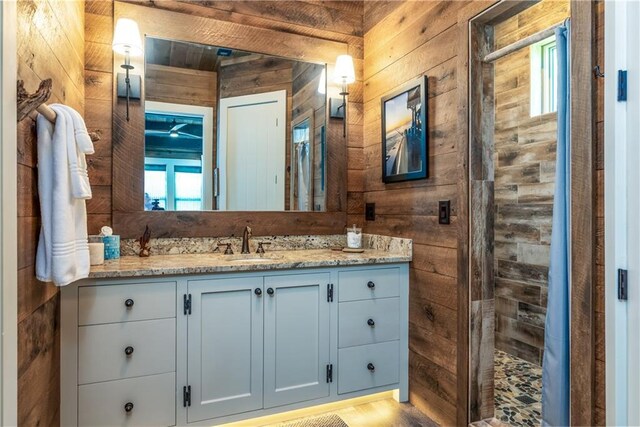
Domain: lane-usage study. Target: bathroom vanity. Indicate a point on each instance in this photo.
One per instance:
(207, 338)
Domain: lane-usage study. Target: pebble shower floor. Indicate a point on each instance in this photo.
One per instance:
(518, 390)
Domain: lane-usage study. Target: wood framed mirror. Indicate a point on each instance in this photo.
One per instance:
(128, 198)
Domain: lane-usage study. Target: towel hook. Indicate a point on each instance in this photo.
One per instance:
(597, 72)
(28, 103)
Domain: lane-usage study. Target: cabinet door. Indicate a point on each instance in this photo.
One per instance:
(296, 346)
(225, 347)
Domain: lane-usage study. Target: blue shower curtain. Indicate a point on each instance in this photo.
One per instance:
(555, 364)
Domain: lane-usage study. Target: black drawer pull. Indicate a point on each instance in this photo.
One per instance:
(128, 351)
(128, 303)
(270, 291)
(371, 285)
(258, 292)
(371, 367)
(128, 407)
(371, 322)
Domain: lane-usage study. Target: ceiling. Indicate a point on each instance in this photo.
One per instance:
(192, 56)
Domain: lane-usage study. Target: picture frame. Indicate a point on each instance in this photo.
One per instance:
(404, 133)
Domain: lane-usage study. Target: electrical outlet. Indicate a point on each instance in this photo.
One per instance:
(444, 212)
(370, 211)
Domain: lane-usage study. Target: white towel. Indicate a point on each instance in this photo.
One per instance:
(78, 143)
(63, 252)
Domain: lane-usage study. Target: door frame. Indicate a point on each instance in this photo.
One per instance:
(9, 218)
(207, 140)
(280, 97)
(476, 303)
(622, 202)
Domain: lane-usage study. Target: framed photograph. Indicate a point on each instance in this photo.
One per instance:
(404, 133)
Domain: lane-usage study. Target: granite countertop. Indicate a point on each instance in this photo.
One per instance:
(156, 265)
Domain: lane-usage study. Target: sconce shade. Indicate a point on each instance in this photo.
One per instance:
(322, 84)
(126, 38)
(344, 72)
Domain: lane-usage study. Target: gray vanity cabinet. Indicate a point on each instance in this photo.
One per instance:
(224, 356)
(296, 338)
(212, 348)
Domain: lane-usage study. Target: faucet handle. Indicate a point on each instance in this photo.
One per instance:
(228, 250)
(260, 249)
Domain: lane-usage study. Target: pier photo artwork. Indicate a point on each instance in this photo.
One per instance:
(404, 133)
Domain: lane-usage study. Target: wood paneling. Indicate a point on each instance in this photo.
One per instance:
(50, 38)
(583, 221)
(600, 380)
(410, 39)
(522, 144)
(98, 100)
(245, 32)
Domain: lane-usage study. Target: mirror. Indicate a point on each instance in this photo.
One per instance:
(232, 130)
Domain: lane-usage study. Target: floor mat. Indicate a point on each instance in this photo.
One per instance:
(331, 420)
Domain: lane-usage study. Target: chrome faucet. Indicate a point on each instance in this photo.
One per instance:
(245, 240)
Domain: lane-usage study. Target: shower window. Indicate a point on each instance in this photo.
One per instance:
(543, 77)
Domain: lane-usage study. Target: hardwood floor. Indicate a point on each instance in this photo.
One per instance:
(385, 412)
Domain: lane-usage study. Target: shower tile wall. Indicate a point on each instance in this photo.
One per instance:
(524, 161)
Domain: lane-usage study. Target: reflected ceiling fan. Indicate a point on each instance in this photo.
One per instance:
(174, 132)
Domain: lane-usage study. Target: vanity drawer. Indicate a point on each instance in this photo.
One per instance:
(124, 303)
(369, 283)
(354, 320)
(153, 399)
(102, 350)
(354, 363)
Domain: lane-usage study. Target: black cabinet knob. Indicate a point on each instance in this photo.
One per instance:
(370, 322)
(128, 407)
(371, 285)
(128, 303)
(258, 292)
(371, 367)
(270, 291)
(128, 351)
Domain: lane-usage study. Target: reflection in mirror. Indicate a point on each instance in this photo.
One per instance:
(232, 130)
(302, 163)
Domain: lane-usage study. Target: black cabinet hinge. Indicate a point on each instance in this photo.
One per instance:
(186, 396)
(330, 292)
(622, 85)
(186, 299)
(622, 284)
(330, 373)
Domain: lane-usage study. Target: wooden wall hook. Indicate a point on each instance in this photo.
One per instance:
(27, 103)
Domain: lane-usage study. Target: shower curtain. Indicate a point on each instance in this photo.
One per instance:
(555, 364)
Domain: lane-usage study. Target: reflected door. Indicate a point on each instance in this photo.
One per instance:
(252, 152)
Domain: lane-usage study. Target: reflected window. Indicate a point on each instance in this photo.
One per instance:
(155, 187)
(188, 188)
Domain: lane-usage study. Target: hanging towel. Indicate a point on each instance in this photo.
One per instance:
(63, 252)
(79, 144)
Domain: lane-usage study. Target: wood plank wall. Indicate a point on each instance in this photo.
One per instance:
(524, 166)
(50, 39)
(419, 38)
(98, 33)
(600, 383)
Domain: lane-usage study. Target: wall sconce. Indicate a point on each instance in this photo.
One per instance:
(127, 42)
(344, 74)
